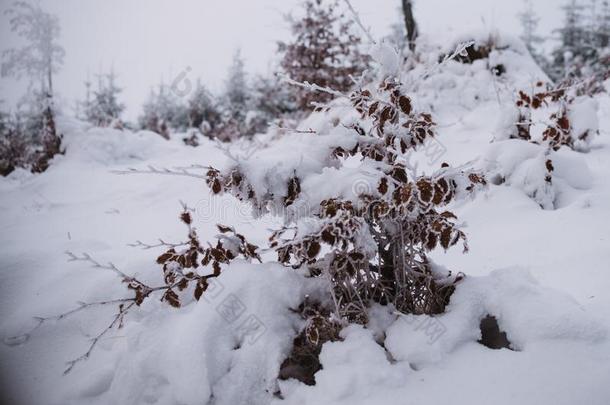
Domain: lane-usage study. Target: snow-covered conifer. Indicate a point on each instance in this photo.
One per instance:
(202, 110)
(529, 25)
(164, 112)
(235, 101)
(272, 100)
(103, 106)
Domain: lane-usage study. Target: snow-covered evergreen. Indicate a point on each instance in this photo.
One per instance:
(102, 106)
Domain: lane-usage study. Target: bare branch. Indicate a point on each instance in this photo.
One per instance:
(118, 319)
(95, 264)
(81, 307)
(162, 243)
(358, 21)
(459, 50)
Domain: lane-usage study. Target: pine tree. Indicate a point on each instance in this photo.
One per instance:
(104, 108)
(529, 24)
(163, 112)
(574, 48)
(598, 65)
(271, 101)
(583, 51)
(603, 26)
(235, 102)
(3, 120)
(202, 110)
(237, 96)
(323, 51)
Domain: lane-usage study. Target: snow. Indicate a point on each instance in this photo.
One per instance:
(583, 119)
(543, 273)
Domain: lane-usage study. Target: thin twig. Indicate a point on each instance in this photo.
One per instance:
(118, 319)
(81, 307)
(358, 21)
(162, 171)
(95, 264)
(162, 243)
(459, 49)
(311, 86)
(294, 130)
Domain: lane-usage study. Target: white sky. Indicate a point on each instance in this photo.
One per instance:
(146, 40)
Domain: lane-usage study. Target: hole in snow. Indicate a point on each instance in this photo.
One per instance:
(491, 335)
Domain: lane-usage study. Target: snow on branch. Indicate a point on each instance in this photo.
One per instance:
(163, 171)
(311, 86)
(460, 50)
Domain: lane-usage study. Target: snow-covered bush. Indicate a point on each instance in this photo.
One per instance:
(547, 119)
(323, 50)
(566, 118)
(355, 213)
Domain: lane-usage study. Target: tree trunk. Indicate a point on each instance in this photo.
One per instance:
(50, 79)
(411, 25)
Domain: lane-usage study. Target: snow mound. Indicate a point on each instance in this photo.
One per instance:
(538, 321)
(109, 146)
(523, 165)
(229, 346)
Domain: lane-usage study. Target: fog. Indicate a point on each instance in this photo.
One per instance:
(146, 41)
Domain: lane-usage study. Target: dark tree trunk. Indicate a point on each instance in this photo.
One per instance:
(411, 25)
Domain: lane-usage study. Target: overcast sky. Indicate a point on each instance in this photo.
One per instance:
(149, 40)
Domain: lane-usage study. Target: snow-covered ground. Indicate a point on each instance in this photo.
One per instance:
(543, 273)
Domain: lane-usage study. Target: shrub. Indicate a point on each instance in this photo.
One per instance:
(373, 247)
